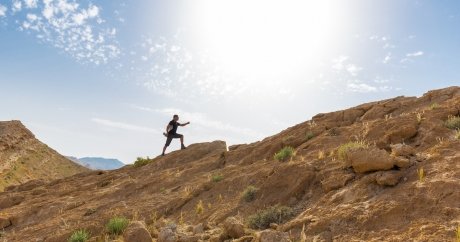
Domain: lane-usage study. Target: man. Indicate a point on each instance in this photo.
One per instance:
(171, 133)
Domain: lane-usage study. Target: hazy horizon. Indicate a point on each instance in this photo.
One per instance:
(102, 79)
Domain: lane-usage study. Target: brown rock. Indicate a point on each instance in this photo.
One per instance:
(401, 133)
(233, 227)
(247, 238)
(369, 159)
(336, 180)
(4, 222)
(388, 178)
(272, 236)
(198, 229)
(137, 232)
(323, 237)
(402, 162)
(167, 235)
(11, 201)
(402, 150)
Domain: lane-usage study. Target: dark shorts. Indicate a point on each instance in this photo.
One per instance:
(171, 137)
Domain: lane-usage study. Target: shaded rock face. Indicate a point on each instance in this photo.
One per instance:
(379, 196)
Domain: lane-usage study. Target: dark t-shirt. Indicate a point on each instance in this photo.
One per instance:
(174, 125)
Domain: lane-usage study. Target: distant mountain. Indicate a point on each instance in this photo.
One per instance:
(98, 163)
(24, 158)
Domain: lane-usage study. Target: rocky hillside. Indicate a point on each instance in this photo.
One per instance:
(381, 171)
(24, 158)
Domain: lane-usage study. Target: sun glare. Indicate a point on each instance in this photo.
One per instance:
(260, 39)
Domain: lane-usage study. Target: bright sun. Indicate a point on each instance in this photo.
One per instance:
(265, 38)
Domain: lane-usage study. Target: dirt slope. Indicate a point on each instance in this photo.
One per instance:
(24, 158)
(368, 193)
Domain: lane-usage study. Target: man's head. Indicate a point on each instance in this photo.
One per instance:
(176, 117)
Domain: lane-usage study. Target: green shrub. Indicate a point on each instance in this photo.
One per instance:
(453, 122)
(276, 214)
(309, 135)
(284, 153)
(117, 225)
(342, 150)
(79, 236)
(249, 194)
(434, 106)
(140, 161)
(217, 178)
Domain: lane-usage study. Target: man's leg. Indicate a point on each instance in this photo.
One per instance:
(182, 146)
(168, 142)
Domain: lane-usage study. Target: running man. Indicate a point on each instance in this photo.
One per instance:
(171, 133)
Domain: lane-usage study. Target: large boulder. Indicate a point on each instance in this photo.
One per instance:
(137, 232)
(369, 159)
(233, 228)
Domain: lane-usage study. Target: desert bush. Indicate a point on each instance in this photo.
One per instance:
(141, 161)
(434, 106)
(284, 153)
(249, 194)
(342, 150)
(457, 233)
(117, 225)
(276, 214)
(199, 208)
(217, 178)
(309, 135)
(79, 236)
(453, 122)
(421, 174)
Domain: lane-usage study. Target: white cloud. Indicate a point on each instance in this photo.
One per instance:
(415, 54)
(125, 126)
(31, 3)
(353, 69)
(68, 25)
(387, 58)
(361, 87)
(16, 6)
(341, 63)
(2, 10)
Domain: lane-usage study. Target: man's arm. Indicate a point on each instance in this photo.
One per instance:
(184, 124)
(168, 128)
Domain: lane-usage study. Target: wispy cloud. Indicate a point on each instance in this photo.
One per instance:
(125, 126)
(76, 29)
(410, 56)
(342, 63)
(415, 54)
(362, 87)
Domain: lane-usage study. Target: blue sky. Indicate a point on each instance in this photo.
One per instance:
(103, 78)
